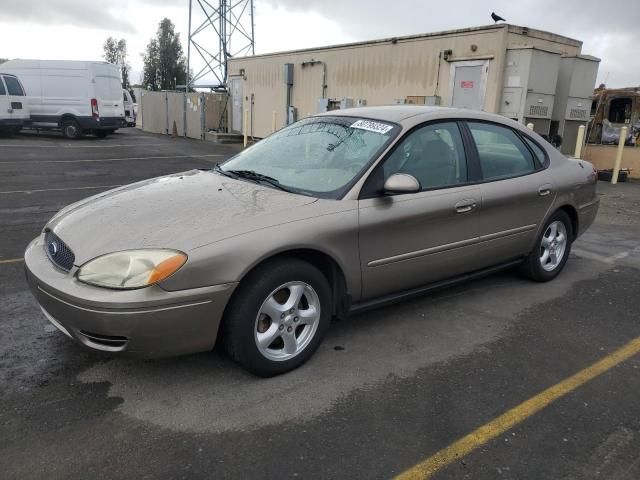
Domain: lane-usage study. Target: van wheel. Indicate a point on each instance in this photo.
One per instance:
(71, 129)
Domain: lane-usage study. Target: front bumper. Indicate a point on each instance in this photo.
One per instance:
(148, 322)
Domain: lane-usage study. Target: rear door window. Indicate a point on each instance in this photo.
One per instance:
(13, 86)
(501, 152)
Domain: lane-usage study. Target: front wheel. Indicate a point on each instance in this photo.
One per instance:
(278, 317)
(552, 249)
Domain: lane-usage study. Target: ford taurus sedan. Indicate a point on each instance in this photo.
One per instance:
(336, 213)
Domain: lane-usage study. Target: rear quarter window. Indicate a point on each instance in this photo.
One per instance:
(2, 90)
(537, 151)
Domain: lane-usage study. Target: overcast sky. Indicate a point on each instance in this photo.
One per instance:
(76, 29)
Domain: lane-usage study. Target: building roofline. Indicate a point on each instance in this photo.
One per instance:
(516, 29)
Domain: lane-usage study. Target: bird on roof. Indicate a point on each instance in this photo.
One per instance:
(497, 18)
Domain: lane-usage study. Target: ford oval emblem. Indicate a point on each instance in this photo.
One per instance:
(53, 249)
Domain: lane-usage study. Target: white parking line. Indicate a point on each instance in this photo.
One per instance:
(611, 260)
(97, 160)
(58, 189)
(57, 145)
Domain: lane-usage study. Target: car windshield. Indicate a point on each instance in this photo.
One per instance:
(318, 156)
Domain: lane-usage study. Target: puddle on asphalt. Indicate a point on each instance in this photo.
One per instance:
(208, 393)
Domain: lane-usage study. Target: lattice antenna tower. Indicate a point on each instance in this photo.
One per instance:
(218, 30)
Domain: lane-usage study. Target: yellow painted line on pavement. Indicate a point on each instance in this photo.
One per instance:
(516, 415)
(12, 260)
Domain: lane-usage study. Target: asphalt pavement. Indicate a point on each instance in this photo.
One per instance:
(386, 390)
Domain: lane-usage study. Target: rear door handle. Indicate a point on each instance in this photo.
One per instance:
(544, 190)
(464, 206)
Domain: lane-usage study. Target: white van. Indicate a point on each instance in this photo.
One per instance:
(77, 97)
(14, 110)
(129, 108)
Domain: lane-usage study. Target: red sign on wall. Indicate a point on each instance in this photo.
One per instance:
(466, 84)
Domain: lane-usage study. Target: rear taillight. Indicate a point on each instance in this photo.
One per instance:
(94, 108)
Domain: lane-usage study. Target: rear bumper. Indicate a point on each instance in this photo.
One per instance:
(103, 123)
(149, 322)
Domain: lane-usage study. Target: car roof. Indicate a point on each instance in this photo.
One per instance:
(416, 113)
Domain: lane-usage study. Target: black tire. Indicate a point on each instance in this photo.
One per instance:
(101, 133)
(71, 129)
(240, 319)
(532, 267)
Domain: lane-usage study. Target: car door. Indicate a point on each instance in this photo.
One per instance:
(408, 240)
(516, 191)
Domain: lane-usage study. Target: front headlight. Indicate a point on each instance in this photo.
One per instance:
(131, 268)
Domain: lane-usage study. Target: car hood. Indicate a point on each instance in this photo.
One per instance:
(182, 211)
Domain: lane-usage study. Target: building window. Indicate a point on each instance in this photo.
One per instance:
(620, 110)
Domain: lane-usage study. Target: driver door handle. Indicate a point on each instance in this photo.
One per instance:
(544, 190)
(464, 206)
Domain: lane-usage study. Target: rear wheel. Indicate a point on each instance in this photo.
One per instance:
(552, 249)
(278, 317)
(71, 129)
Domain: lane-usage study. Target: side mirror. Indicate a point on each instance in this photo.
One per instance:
(402, 183)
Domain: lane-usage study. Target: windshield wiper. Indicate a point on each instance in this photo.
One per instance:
(216, 168)
(259, 177)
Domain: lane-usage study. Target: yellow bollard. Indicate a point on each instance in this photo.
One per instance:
(579, 142)
(530, 126)
(244, 126)
(273, 122)
(616, 167)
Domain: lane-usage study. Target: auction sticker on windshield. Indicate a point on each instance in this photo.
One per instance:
(372, 126)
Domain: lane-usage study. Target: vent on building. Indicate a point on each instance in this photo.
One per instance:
(538, 110)
(578, 113)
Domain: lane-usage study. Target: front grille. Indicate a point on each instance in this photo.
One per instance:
(58, 251)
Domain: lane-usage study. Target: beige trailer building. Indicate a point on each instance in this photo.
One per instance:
(500, 68)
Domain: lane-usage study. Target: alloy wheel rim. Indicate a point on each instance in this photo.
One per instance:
(287, 321)
(553, 246)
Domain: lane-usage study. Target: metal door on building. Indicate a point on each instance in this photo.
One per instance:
(236, 84)
(468, 84)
